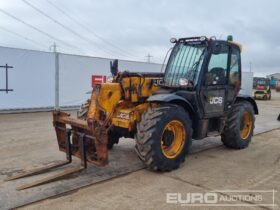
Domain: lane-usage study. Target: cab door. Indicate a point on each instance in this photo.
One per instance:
(213, 92)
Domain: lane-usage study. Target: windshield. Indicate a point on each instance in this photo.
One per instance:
(185, 62)
(262, 82)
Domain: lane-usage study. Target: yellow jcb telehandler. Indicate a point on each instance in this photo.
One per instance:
(197, 96)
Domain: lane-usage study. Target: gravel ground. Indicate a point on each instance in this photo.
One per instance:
(27, 140)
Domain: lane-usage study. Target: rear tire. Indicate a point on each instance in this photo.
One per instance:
(164, 137)
(238, 131)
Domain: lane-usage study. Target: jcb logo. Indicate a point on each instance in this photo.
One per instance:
(158, 81)
(215, 100)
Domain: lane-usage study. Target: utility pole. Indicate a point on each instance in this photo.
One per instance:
(149, 57)
(56, 76)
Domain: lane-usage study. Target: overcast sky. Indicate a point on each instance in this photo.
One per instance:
(130, 29)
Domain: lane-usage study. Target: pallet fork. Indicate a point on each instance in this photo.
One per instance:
(86, 140)
(65, 173)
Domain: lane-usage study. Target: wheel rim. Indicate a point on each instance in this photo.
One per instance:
(246, 125)
(173, 139)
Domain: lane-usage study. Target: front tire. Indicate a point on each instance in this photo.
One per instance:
(238, 131)
(163, 137)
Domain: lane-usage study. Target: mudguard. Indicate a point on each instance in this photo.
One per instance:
(249, 99)
(172, 98)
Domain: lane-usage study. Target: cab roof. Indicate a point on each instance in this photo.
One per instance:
(204, 39)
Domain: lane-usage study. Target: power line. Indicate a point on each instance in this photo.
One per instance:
(38, 30)
(89, 30)
(23, 37)
(63, 26)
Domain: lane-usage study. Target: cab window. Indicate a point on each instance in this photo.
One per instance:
(234, 74)
(217, 67)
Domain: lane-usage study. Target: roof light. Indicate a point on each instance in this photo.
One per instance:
(173, 40)
(202, 39)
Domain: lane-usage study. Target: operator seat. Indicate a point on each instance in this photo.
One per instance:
(218, 76)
